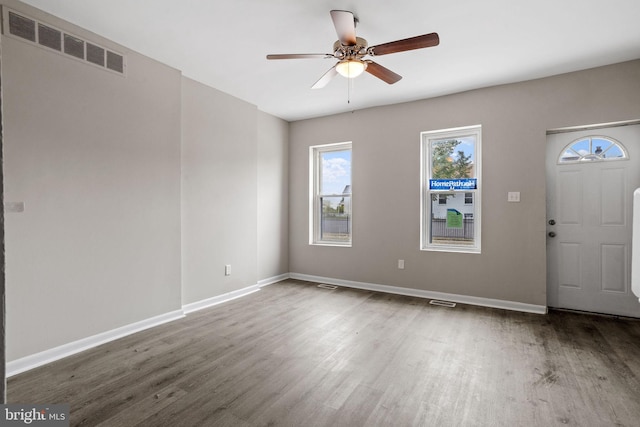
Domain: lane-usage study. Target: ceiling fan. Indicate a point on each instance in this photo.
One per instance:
(350, 51)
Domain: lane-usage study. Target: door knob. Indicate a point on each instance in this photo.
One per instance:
(552, 222)
(552, 234)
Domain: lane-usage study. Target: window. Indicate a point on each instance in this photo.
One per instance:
(468, 198)
(592, 149)
(330, 190)
(450, 190)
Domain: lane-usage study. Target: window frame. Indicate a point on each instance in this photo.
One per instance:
(426, 140)
(315, 197)
(592, 155)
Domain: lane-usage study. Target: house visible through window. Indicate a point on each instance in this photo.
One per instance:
(330, 205)
(451, 190)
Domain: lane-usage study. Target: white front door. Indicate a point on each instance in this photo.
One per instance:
(591, 177)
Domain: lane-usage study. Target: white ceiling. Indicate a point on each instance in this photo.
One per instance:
(482, 43)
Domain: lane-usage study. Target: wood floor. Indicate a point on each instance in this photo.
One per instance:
(294, 354)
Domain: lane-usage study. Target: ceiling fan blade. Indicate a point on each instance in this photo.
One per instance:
(299, 55)
(345, 24)
(326, 78)
(382, 73)
(418, 42)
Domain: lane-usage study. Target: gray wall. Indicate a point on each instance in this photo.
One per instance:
(95, 157)
(273, 200)
(219, 192)
(137, 191)
(386, 182)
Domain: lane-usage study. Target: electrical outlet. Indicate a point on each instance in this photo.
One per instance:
(401, 264)
(227, 270)
(513, 196)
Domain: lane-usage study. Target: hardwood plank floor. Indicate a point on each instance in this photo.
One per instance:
(297, 355)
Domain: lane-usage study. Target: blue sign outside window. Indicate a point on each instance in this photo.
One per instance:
(453, 184)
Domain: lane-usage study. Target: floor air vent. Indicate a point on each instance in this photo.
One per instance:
(442, 303)
(331, 287)
(44, 35)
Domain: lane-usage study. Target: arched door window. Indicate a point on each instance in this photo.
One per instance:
(593, 149)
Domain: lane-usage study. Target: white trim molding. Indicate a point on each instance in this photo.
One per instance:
(219, 299)
(26, 363)
(272, 280)
(462, 299)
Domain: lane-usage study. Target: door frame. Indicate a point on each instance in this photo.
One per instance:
(571, 129)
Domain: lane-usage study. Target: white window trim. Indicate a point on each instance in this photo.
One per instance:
(314, 196)
(425, 193)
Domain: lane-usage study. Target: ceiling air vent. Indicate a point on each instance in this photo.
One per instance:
(50, 37)
(95, 54)
(115, 62)
(22, 27)
(44, 35)
(73, 46)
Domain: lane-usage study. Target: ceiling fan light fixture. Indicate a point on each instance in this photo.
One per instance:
(350, 50)
(351, 68)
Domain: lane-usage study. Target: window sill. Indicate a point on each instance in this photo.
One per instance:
(455, 249)
(331, 244)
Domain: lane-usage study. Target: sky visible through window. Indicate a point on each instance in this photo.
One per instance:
(336, 171)
(467, 145)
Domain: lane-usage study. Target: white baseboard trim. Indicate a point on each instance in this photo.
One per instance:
(462, 299)
(272, 280)
(219, 299)
(26, 363)
(23, 364)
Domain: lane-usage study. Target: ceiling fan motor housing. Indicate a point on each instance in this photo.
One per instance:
(356, 51)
